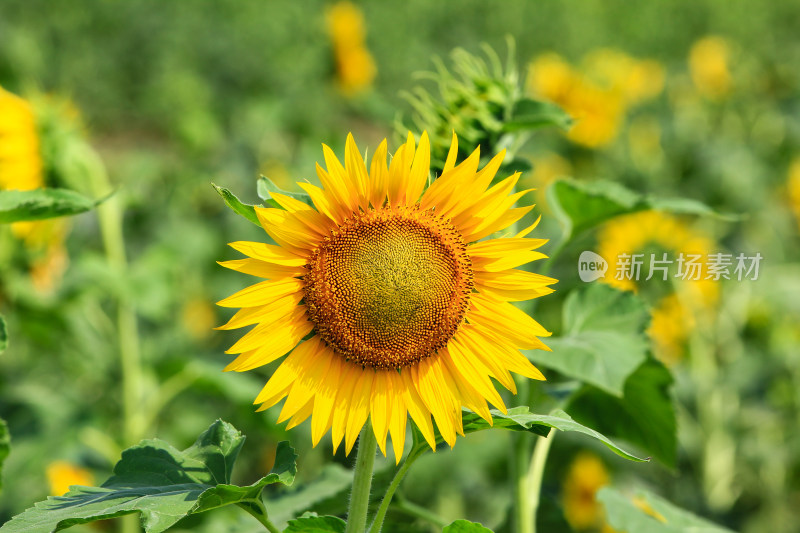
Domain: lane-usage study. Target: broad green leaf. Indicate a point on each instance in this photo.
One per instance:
(583, 205)
(39, 204)
(651, 514)
(246, 210)
(603, 340)
(3, 334)
(5, 446)
(465, 526)
(530, 114)
(521, 419)
(311, 523)
(163, 484)
(265, 187)
(644, 416)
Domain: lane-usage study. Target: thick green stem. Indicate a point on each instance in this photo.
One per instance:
(535, 476)
(362, 482)
(377, 524)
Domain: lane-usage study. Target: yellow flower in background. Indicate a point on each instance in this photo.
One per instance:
(586, 475)
(22, 168)
(635, 80)
(669, 328)
(403, 310)
(708, 66)
(61, 475)
(655, 232)
(598, 94)
(20, 153)
(355, 68)
(794, 188)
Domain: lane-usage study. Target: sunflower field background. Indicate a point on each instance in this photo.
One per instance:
(646, 128)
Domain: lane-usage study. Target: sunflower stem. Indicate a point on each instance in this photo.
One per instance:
(536, 474)
(377, 524)
(362, 481)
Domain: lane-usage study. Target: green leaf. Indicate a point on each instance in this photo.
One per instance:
(652, 515)
(465, 526)
(583, 205)
(5, 446)
(39, 204)
(644, 416)
(531, 114)
(163, 484)
(246, 210)
(604, 339)
(3, 334)
(265, 187)
(521, 419)
(311, 523)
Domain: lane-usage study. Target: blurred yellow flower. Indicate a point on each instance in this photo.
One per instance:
(794, 188)
(61, 475)
(708, 66)
(355, 68)
(586, 475)
(20, 155)
(598, 94)
(21, 168)
(669, 328)
(641, 233)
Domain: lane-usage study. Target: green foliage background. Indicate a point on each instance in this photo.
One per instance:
(175, 95)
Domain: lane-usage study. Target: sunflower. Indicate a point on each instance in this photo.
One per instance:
(20, 156)
(388, 297)
(674, 315)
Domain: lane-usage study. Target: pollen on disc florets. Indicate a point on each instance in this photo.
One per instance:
(389, 286)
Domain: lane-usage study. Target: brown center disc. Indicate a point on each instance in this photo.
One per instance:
(389, 287)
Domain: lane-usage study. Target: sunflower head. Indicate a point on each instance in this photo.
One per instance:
(388, 296)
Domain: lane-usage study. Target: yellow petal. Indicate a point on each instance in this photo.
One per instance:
(263, 293)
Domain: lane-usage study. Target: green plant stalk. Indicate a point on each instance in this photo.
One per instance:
(262, 518)
(524, 508)
(417, 511)
(413, 455)
(362, 481)
(109, 215)
(535, 476)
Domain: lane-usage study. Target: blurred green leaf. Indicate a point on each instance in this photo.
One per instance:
(3, 334)
(603, 340)
(531, 114)
(39, 204)
(163, 484)
(265, 187)
(333, 481)
(246, 210)
(521, 419)
(311, 523)
(651, 514)
(583, 205)
(5, 446)
(644, 416)
(465, 526)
